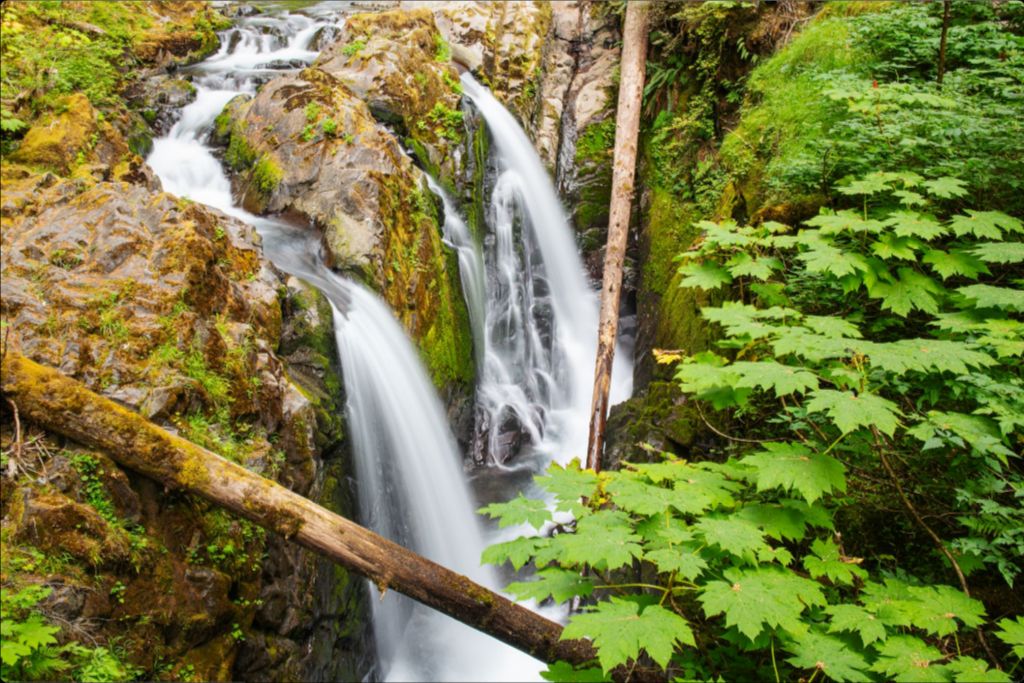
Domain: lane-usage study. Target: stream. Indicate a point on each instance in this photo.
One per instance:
(533, 315)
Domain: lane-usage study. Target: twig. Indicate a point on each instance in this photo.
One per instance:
(16, 446)
(723, 434)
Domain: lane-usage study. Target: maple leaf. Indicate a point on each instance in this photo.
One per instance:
(955, 262)
(705, 275)
(914, 224)
(985, 224)
(987, 296)
(1011, 632)
(518, 551)
(829, 654)
(734, 535)
(854, 618)
(1000, 252)
(620, 628)
(760, 268)
(911, 290)
(604, 540)
(832, 326)
(945, 187)
(827, 561)
(851, 411)
(783, 379)
(779, 521)
(770, 596)
(845, 221)
(632, 494)
(924, 355)
(684, 562)
(568, 485)
(975, 671)
(519, 510)
(794, 466)
(889, 246)
(559, 584)
(906, 658)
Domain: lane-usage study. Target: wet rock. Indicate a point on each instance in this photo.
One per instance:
(160, 99)
(659, 416)
(314, 149)
(96, 280)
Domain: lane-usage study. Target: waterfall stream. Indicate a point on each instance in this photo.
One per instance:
(534, 320)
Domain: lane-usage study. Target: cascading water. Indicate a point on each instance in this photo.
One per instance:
(411, 487)
(542, 314)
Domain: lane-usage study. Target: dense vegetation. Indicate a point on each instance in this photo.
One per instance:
(857, 514)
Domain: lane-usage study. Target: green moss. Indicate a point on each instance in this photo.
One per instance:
(787, 115)
(239, 155)
(447, 121)
(596, 142)
(669, 231)
(266, 174)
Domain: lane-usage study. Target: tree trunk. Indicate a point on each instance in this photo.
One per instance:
(627, 130)
(65, 406)
(946, 7)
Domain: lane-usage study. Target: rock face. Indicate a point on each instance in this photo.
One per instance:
(170, 309)
(312, 147)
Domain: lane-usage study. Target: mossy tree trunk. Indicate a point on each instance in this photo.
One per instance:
(627, 130)
(63, 405)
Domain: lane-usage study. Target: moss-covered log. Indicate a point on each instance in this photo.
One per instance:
(63, 405)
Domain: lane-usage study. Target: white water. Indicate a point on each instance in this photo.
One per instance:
(411, 487)
(541, 329)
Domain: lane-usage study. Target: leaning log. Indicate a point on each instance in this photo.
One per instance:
(627, 131)
(65, 406)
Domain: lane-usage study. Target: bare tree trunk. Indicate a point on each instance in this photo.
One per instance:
(627, 130)
(65, 406)
(946, 7)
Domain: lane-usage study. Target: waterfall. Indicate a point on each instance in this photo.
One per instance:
(541, 320)
(411, 485)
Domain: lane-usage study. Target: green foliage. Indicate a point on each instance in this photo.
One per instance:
(354, 48)
(266, 174)
(30, 650)
(442, 50)
(447, 122)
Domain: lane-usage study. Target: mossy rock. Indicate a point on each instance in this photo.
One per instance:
(660, 417)
(57, 141)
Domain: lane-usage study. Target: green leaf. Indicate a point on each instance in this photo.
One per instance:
(560, 584)
(889, 246)
(687, 564)
(914, 224)
(924, 355)
(910, 291)
(744, 264)
(741, 319)
(568, 485)
(604, 540)
(519, 510)
(734, 535)
(871, 184)
(781, 522)
(793, 466)
(945, 187)
(827, 561)
(943, 605)
(987, 296)
(956, 262)
(831, 655)
(832, 326)
(1011, 632)
(564, 672)
(971, 670)
(823, 257)
(705, 275)
(856, 619)
(630, 493)
(518, 551)
(851, 411)
(905, 658)
(1000, 252)
(782, 379)
(619, 630)
(766, 596)
(985, 224)
(845, 221)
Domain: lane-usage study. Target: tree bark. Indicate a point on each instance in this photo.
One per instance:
(946, 7)
(65, 406)
(627, 130)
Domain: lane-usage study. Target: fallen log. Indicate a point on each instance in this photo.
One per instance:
(65, 406)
